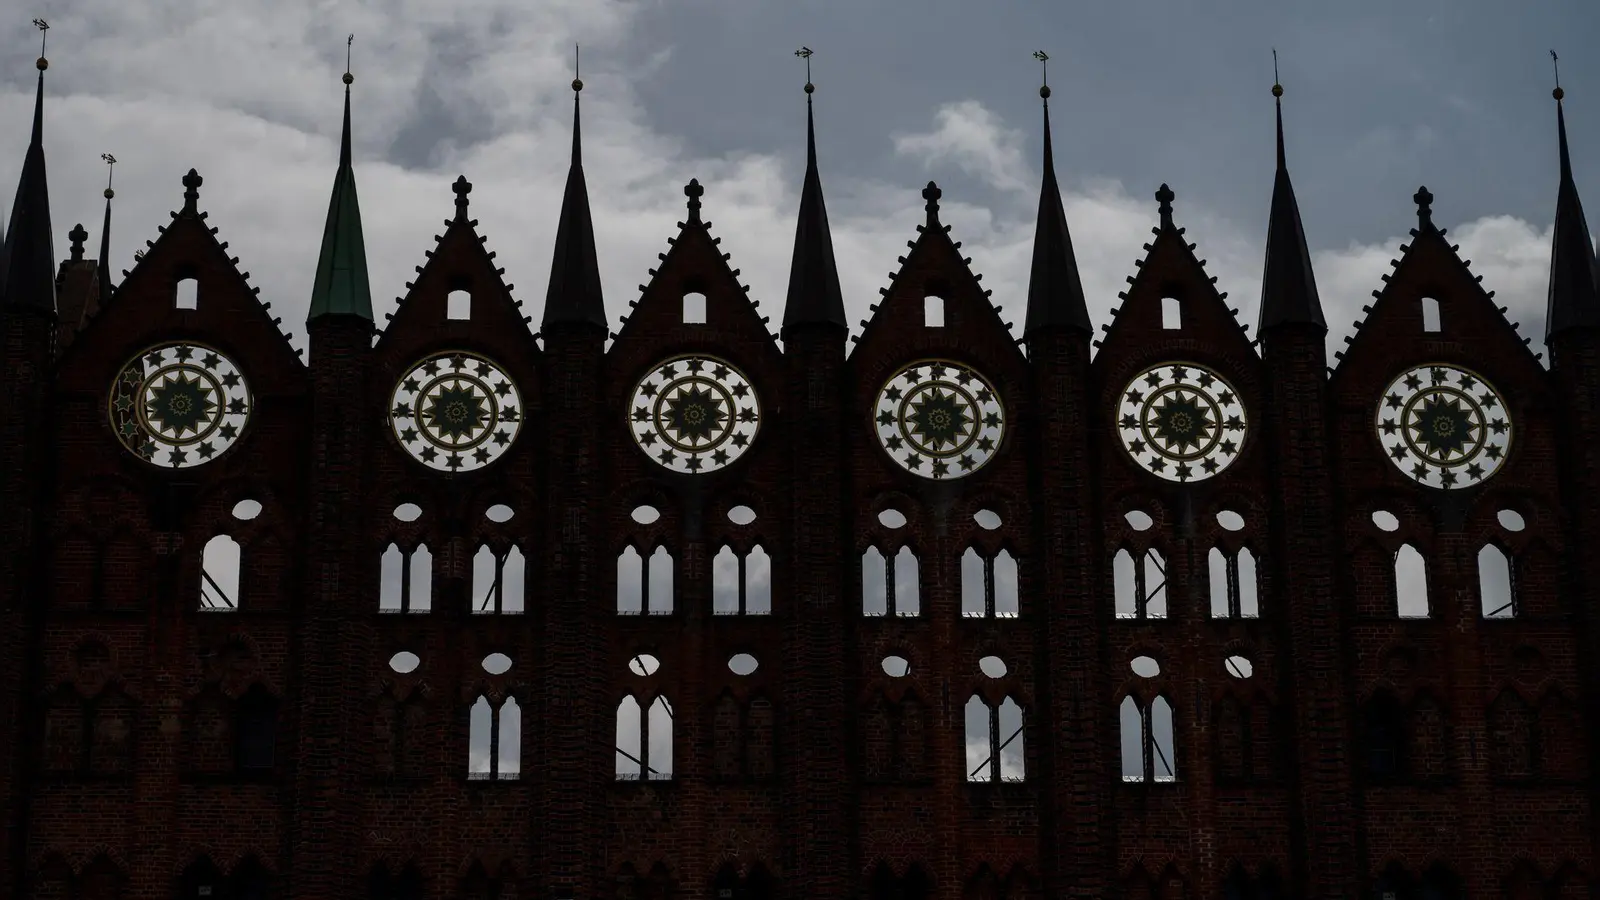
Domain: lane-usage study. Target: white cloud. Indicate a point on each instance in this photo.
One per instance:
(252, 102)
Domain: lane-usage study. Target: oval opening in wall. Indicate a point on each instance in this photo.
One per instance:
(896, 666)
(742, 664)
(1145, 667)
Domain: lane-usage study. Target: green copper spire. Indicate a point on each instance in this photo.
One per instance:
(342, 288)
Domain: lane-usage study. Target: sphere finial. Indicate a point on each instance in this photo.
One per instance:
(577, 69)
(348, 78)
(805, 54)
(1555, 63)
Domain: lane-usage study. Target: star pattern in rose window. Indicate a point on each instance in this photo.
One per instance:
(939, 419)
(694, 414)
(456, 411)
(1181, 421)
(179, 405)
(1443, 426)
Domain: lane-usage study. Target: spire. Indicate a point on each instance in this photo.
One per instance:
(1288, 287)
(1055, 289)
(104, 266)
(27, 260)
(1574, 300)
(814, 295)
(341, 286)
(575, 297)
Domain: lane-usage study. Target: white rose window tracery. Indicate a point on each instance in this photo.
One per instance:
(179, 405)
(1181, 421)
(456, 411)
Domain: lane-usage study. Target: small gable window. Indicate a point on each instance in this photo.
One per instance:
(1171, 313)
(694, 308)
(187, 293)
(1430, 315)
(933, 311)
(458, 306)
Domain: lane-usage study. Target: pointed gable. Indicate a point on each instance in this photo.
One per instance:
(342, 287)
(1574, 298)
(492, 320)
(1432, 307)
(27, 258)
(1173, 284)
(695, 266)
(575, 296)
(1288, 287)
(814, 296)
(1055, 289)
(226, 310)
(935, 302)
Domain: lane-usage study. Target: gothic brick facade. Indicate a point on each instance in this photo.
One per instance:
(454, 609)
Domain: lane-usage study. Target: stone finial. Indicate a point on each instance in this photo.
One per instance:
(1424, 200)
(694, 191)
(77, 235)
(191, 191)
(1165, 196)
(931, 194)
(462, 187)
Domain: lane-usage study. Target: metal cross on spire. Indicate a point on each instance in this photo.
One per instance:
(805, 54)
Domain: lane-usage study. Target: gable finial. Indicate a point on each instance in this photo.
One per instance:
(1424, 200)
(694, 191)
(931, 194)
(805, 54)
(462, 188)
(1044, 77)
(77, 236)
(1165, 196)
(191, 192)
(44, 28)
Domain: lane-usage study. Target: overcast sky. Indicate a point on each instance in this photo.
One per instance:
(1381, 97)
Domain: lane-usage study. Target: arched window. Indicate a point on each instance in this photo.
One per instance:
(645, 586)
(219, 574)
(694, 308)
(1233, 584)
(933, 311)
(405, 580)
(1497, 586)
(497, 580)
(741, 585)
(988, 585)
(994, 741)
(889, 589)
(1141, 589)
(185, 294)
(1148, 741)
(1171, 313)
(458, 305)
(494, 741)
(644, 741)
(1430, 315)
(1410, 583)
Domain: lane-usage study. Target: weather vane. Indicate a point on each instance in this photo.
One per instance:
(111, 162)
(805, 54)
(1274, 65)
(1044, 64)
(577, 68)
(351, 39)
(43, 27)
(1555, 63)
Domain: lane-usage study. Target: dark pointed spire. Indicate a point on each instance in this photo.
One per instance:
(1055, 289)
(575, 296)
(1574, 300)
(814, 295)
(1288, 286)
(342, 287)
(103, 269)
(27, 259)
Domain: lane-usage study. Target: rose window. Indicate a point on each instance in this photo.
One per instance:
(694, 414)
(1444, 427)
(456, 412)
(939, 419)
(179, 405)
(1181, 421)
